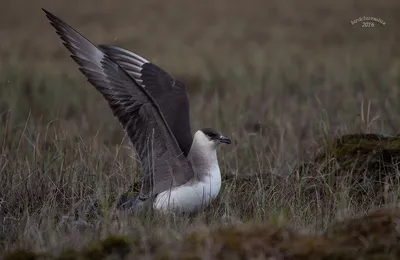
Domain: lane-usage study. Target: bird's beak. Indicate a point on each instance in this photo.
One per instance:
(224, 139)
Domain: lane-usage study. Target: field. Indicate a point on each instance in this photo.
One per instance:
(277, 77)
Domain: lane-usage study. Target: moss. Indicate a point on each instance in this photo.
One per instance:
(374, 150)
(263, 241)
(254, 241)
(112, 245)
(68, 254)
(360, 164)
(378, 226)
(26, 255)
(21, 255)
(374, 234)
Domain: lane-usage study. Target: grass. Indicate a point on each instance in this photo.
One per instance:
(278, 78)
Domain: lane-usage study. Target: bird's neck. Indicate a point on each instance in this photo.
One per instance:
(204, 160)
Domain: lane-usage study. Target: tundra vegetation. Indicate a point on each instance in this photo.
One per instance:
(310, 100)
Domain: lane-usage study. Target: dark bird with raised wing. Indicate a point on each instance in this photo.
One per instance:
(180, 171)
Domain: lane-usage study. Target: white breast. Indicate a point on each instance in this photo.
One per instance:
(192, 196)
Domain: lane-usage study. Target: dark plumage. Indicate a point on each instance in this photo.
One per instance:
(163, 163)
(170, 94)
(153, 109)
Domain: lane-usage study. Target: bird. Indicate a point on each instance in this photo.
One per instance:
(180, 171)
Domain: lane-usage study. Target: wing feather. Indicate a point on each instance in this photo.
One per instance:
(163, 163)
(171, 95)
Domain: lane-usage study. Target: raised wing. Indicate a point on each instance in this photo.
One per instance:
(163, 163)
(170, 95)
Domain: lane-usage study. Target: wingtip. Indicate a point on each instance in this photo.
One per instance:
(51, 17)
(46, 12)
(58, 24)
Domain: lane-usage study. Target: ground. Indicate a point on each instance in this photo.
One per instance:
(280, 78)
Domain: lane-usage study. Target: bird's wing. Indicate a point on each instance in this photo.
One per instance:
(171, 95)
(163, 163)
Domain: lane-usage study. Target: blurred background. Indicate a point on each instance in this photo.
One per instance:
(259, 55)
(264, 57)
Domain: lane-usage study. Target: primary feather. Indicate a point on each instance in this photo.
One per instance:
(170, 94)
(164, 165)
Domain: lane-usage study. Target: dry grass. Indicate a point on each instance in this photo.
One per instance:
(300, 69)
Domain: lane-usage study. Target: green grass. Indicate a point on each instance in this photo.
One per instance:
(299, 74)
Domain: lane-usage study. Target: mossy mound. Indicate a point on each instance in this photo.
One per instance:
(252, 242)
(22, 255)
(358, 165)
(375, 233)
(112, 246)
(373, 236)
(68, 254)
(27, 255)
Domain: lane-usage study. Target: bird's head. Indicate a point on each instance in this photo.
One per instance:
(209, 137)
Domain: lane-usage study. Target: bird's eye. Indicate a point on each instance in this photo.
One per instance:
(212, 135)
